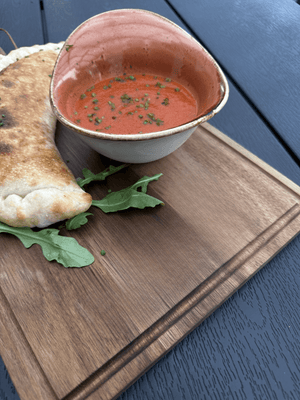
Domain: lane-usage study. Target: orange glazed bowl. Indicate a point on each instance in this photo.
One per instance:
(133, 42)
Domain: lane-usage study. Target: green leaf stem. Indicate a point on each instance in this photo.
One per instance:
(90, 177)
(129, 197)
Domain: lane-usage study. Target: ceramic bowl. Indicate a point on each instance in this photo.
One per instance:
(138, 41)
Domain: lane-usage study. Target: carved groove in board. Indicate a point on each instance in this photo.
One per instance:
(149, 336)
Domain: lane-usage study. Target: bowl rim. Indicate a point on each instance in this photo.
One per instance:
(224, 87)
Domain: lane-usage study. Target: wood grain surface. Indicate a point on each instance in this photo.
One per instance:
(165, 270)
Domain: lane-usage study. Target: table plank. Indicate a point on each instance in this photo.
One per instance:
(256, 42)
(242, 124)
(22, 19)
(64, 16)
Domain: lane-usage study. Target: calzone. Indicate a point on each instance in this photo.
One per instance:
(36, 186)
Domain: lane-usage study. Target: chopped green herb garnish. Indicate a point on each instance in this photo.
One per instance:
(177, 90)
(83, 96)
(112, 105)
(168, 79)
(126, 99)
(102, 252)
(68, 46)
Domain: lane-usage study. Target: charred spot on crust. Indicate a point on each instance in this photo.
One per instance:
(6, 119)
(5, 148)
(7, 83)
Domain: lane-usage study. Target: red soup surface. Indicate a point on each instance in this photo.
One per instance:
(132, 104)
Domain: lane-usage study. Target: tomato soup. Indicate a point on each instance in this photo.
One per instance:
(134, 104)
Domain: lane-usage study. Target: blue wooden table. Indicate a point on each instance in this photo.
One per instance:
(249, 348)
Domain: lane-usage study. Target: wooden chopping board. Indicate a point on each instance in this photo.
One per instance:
(89, 333)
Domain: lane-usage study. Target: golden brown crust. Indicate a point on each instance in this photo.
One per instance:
(29, 159)
(25, 136)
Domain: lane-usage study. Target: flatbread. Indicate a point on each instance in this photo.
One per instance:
(36, 186)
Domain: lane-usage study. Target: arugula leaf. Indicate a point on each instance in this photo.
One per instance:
(77, 221)
(129, 197)
(89, 176)
(64, 250)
